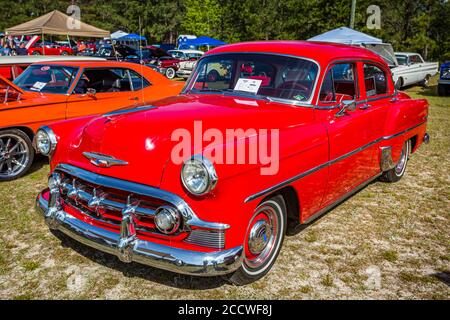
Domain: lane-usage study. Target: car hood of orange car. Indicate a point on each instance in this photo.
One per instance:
(144, 138)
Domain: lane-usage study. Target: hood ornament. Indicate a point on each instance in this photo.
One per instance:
(103, 161)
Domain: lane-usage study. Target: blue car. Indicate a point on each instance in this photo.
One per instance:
(444, 79)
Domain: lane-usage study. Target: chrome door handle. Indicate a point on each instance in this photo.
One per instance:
(134, 98)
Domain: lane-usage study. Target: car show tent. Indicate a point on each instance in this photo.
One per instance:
(57, 23)
(200, 41)
(349, 36)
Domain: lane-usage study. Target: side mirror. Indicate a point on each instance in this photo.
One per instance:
(346, 105)
(91, 92)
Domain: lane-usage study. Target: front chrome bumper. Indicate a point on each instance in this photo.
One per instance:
(145, 252)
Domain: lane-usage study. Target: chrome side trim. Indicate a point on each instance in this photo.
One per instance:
(326, 164)
(190, 217)
(129, 248)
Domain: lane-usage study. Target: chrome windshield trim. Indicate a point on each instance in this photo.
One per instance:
(190, 217)
(326, 164)
(285, 101)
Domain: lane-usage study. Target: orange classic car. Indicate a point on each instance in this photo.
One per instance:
(48, 92)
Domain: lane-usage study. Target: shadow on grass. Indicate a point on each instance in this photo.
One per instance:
(38, 163)
(136, 270)
(444, 277)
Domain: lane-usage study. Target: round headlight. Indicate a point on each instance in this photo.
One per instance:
(45, 141)
(167, 220)
(198, 175)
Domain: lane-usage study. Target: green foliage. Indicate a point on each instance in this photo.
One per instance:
(410, 25)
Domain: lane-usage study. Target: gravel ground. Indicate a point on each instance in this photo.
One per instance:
(389, 241)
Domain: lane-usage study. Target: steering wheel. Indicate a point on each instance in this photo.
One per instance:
(294, 85)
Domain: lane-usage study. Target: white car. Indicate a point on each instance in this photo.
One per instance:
(188, 59)
(412, 69)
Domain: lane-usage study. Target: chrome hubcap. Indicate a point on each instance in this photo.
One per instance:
(13, 155)
(399, 168)
(261, 238)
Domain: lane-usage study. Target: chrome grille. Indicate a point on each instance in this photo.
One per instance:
(207, 238)
(105, 204)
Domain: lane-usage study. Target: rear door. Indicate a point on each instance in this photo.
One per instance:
(100, 90)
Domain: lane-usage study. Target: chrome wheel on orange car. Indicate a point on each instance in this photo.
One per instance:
(263, 241)
(16, 154)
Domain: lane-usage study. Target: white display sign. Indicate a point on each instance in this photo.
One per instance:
(38, 86)
(248, 85)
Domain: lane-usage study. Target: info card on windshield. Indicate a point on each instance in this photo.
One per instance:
(248, 85)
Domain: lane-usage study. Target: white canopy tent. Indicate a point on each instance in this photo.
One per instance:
(349, 36)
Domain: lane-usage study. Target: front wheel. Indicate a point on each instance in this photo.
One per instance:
(16, 154)
(64, 53)
(36, 53)
(396, 173)
(263, 241)
(170, 73)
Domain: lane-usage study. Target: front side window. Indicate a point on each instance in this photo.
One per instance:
(47, 79)
(339, 84)
(415, 59)
(375, 80)
(402, 60)
(138, 81)
(262, 75)
(104, 80)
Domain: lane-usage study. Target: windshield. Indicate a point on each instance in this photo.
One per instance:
(47, 79)
(263, 75)
(402, 60)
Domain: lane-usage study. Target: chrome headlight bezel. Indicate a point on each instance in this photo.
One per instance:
(209, 174)
(47, 134)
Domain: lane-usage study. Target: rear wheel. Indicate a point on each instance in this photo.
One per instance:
(426, 81)
(64, 53)
(170, 73)
(396, 173)
(263, 241)
(16, 154)
(36, 53)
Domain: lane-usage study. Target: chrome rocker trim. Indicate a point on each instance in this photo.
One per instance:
(129, 248)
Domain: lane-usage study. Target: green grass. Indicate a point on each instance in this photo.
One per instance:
(396, 233)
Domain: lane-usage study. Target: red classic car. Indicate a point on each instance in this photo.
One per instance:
(50, 49)
(206, 183)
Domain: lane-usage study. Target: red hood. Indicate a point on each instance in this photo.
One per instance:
(143, 138)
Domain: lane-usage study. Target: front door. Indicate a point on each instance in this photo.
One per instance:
(349, 156)
(100, 90)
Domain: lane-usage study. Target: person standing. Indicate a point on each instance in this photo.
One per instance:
(22, 50)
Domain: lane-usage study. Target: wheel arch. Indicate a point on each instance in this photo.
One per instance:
(28, 131)
(291, 200)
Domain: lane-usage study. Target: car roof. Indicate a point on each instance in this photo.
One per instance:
(33, 59)
(87, 64)
(321, 52)
(407, 53)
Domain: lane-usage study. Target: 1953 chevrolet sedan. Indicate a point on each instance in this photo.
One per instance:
(206, 183)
